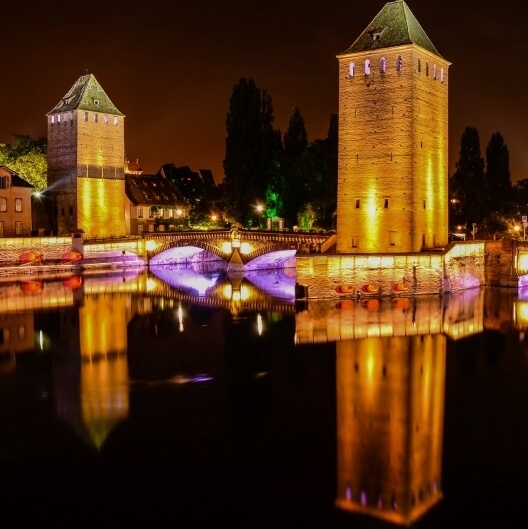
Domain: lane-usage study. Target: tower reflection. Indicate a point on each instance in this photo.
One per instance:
(390, 407)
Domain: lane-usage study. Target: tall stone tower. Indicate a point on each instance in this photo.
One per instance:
(86, 153)
(393, 139)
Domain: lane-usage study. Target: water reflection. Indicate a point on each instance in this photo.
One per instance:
(113, 334)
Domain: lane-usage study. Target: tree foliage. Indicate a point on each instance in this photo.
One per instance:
(27, 157)
(498, 174)
(252, 151)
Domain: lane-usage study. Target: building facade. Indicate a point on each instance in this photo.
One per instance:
(86, 153)
(15, 204)
(392, 156)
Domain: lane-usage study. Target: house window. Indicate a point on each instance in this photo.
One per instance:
(358, 203)
(18, 205)
(86, 116)
(139, 213)
(354, 241)
(441, 75)
(367, 67)
(3, 204)
(386, 203)
(383, 65)
(18, 227)
(434, 71)
(96, 118)
(4, 182)
(1, 228)
(399, 63)
(116, 120)
(427, 69)
(105, 118)
(140, 229)
(351, 69)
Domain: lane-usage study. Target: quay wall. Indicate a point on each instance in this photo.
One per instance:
(458, 267)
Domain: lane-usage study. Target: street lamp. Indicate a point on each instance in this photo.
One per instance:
(37, 195)
(260, 209)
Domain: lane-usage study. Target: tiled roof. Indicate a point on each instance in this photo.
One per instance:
(86, 94)
(394, 25)
(151, 190)
(16, 179)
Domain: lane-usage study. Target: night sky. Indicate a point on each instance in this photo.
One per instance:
(171, 66)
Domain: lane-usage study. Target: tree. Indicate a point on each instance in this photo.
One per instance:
(296, 168)
(498, 174)
(27, 157)
(252, 151)
(467, 186)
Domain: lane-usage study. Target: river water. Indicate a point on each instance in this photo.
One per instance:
(195, 397)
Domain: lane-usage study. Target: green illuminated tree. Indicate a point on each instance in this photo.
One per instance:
(27, 157)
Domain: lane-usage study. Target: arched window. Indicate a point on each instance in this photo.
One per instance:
(351, 69)
(441, 75)
(367, 67)
(383, 65)
(434, 71)
(419, 65)
(399, 63)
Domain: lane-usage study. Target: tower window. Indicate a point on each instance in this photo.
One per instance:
(71, 211)
(386, 203)
(367, 67)
(105, 118)
(351, 69)
(96, 102)
(427, 68)
(96, 118)
(441, 75)
(52, 119)
(86, 116)
(383, 65)
(424, 203)
(399, 63)
(58, 118)
(358, 203)
(116, 120)
(419, 65)
(354, 241)
(434, 71)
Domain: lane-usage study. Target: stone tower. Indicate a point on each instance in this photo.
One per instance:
(393, 138)
(86, 153)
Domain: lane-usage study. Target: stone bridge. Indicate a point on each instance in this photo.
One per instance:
(240, 248)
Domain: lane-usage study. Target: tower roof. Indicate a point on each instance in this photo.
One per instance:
(394, 25)
(86, 94)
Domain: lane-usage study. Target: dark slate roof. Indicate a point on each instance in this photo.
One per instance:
(394, 25)
(16, 179)
(151, 190)
(86, 94)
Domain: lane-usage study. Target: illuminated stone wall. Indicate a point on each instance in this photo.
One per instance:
(49, 247)
(101, 211)
(392, 158)
(390, 415)
(462, 266)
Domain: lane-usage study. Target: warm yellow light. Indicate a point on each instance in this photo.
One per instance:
(227, 291)
(522, 263)
(244, 293)
(151, 285)
(151, 245)
(245, 248)
(236, 295)
(226, 247)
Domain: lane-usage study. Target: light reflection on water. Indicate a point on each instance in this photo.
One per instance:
(330, 410)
